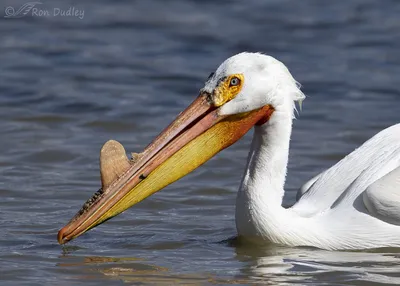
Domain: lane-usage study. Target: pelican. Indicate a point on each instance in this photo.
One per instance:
(353, 205)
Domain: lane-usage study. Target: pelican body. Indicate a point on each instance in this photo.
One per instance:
(353, 205)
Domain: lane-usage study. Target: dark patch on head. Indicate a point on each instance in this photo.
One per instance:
(210, 97)
(218, 83)
(210, 76)
(90, 202)
(221, 80)
(207, 94)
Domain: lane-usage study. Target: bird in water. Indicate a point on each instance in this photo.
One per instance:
(353, 205)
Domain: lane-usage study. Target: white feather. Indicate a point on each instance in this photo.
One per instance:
(331, 212)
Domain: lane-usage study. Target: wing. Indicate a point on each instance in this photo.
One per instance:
(382, 198)
(304, 188)
(351, 176)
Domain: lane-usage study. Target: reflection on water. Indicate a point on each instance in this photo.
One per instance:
(131, 269)
(124, 71)
(266, 265)
(289, 265)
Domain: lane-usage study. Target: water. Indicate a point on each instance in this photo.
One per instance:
(125, 70)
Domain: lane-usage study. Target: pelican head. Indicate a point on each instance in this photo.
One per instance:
(247, 89)
(262, 80)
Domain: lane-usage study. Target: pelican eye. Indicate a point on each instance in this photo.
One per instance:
(227, 88)
(234, 81)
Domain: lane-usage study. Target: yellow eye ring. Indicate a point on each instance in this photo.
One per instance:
(227, 89)
(234, 81)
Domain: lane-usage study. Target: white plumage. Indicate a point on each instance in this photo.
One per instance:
(355, 204)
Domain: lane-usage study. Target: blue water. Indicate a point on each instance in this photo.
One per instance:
(123, 72)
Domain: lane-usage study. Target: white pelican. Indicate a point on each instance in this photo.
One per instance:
(353, 205)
